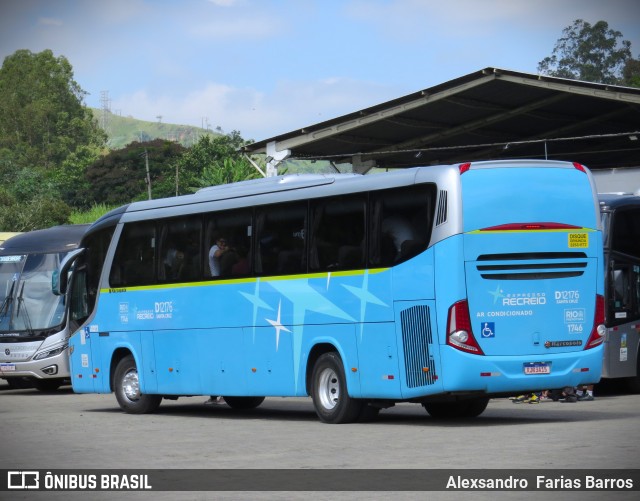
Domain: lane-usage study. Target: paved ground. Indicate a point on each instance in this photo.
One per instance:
(66, 431)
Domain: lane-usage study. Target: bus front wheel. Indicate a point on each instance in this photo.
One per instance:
(329, 391)
(127, 387)
(452, 410)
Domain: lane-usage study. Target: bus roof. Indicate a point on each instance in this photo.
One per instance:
(296, 186)
(55, 239)
(614, 201)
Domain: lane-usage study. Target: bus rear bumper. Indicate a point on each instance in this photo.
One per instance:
(511, 374)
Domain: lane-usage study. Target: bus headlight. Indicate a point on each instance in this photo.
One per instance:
(51, 352)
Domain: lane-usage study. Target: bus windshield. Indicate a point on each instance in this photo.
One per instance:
(28, 307)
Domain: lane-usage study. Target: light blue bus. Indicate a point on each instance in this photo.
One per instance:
(441, 285)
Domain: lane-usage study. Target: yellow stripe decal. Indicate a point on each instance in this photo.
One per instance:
(350, 273)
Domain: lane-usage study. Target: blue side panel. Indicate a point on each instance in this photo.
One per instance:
(414, 279)
(270, 362)
(379, 364)
(148, 371)
(197, 362)
(449, 279)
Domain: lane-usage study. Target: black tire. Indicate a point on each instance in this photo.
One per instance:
(457, 410)
(329, 391)
(127, 388)
(47, 385)
(243, 403)
(18, 383)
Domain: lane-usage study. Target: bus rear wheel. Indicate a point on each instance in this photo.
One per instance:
(243, 403)
(127, 387)
(452, 410)
(332, 403)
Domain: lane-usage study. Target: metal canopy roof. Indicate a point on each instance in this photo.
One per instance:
(489, 114)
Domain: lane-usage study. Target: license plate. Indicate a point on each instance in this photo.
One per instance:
(537, 368)
(7, 367)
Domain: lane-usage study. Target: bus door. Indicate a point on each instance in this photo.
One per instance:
(81, 361)
(622, 319)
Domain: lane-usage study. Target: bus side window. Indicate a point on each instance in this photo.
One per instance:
(625, 293)
(280, 237)
(134, 261)
(179, 249)
(235, 228)
(626, 232)
(400, 223)
(338, 233)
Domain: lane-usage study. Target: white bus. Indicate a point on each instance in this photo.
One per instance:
(33, 328)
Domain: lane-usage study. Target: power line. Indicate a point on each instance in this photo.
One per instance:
(633, 136)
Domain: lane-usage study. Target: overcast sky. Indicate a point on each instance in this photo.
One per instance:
(266, 67)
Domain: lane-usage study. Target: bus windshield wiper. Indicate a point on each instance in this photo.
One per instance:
(6, 304)
(22, 306)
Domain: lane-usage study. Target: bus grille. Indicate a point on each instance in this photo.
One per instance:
(441, 213)
(416, 337)
(532, 266)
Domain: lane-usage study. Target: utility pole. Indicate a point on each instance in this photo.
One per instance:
(146, 163)
(176, 179)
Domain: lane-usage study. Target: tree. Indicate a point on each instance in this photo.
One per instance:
(590, 53)
(120, 176)
(42, 116)
(631, 73)
(215, 160)
(42, 211)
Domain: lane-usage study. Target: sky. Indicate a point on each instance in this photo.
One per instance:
(267, 67)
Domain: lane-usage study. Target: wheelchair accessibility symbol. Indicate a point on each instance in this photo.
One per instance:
(488, 329)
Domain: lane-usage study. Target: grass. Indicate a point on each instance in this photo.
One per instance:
(98, 210)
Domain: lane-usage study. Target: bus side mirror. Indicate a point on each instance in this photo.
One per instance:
(59, 278)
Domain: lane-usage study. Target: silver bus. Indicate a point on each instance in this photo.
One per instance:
(621, 236)
(33, 328)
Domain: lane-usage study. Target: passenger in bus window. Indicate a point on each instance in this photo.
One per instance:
(215, 255)
(222, 258)
(174, 263)
(399, 230)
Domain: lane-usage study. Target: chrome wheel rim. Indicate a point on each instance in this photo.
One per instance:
(131, 385)
(328, 389)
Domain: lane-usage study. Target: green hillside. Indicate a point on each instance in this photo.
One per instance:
(124, 130)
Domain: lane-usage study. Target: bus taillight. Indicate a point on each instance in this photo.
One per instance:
(599, 330)
(459, 332)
